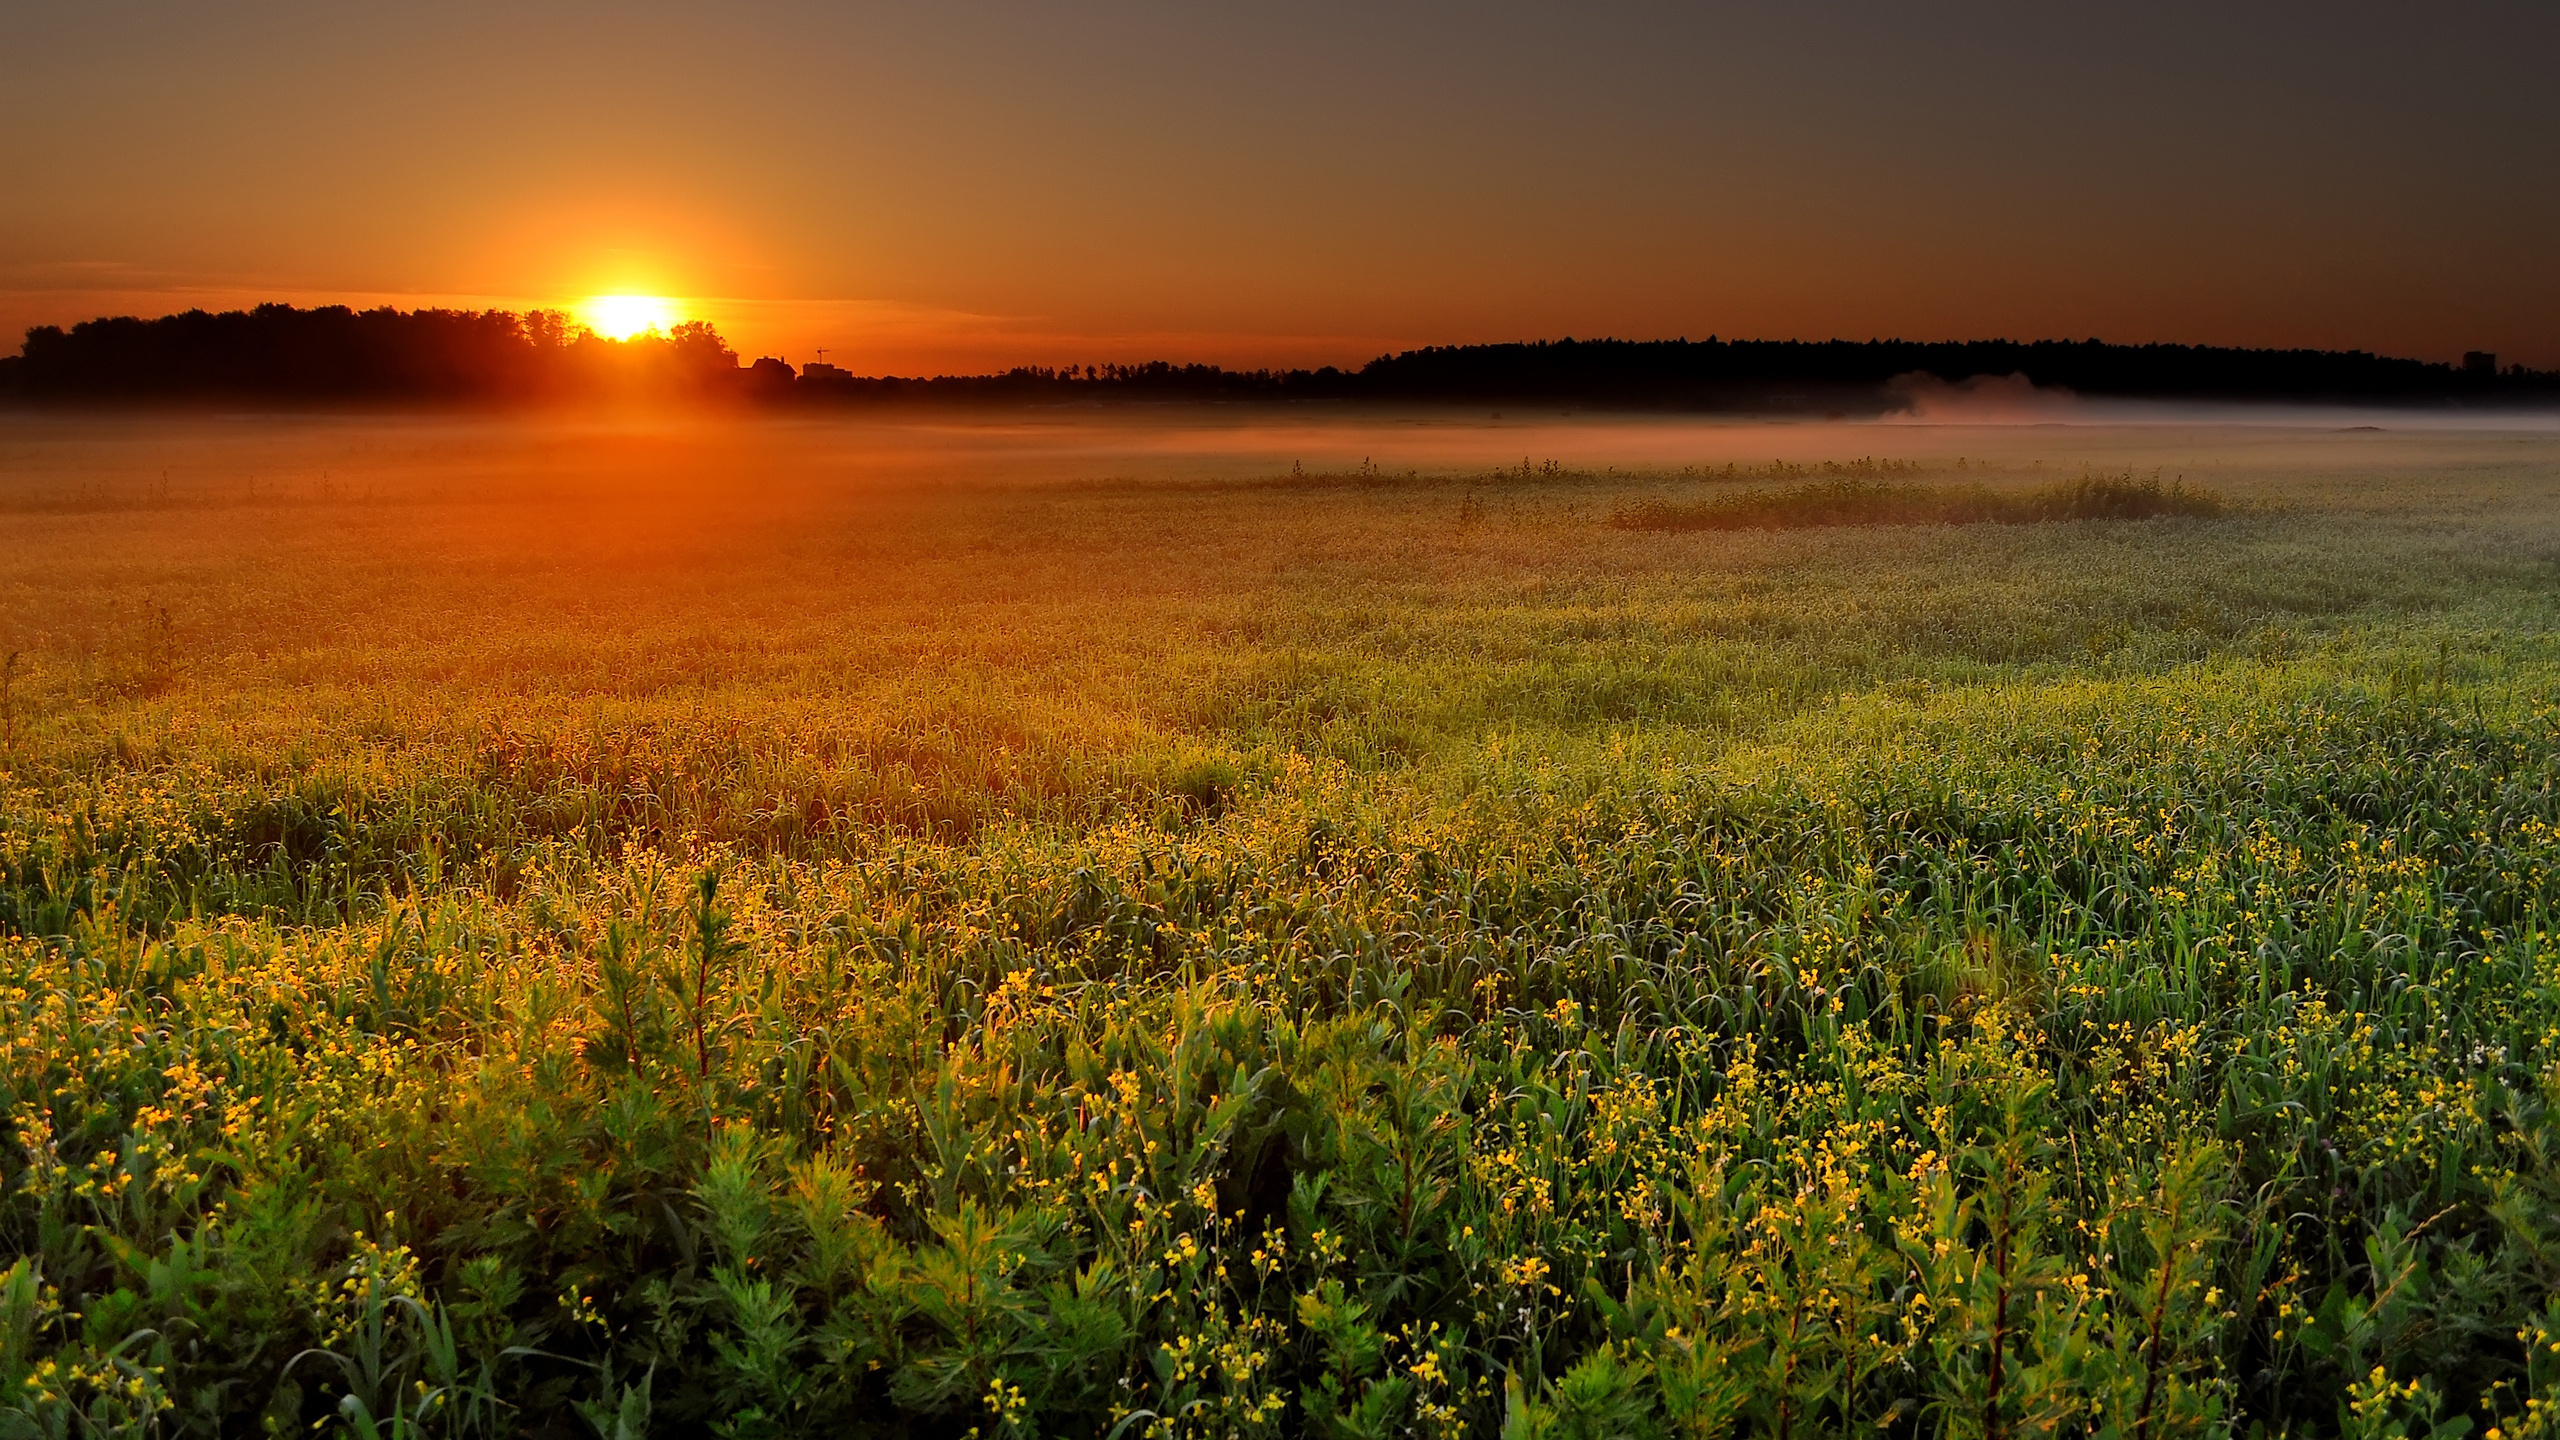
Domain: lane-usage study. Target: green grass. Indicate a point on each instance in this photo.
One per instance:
(523, 933)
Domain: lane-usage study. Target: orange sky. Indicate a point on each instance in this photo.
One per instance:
(959, 187)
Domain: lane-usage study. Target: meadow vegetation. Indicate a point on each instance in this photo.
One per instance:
(664, 933)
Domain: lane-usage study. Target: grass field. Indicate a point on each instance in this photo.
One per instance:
(1122, 929)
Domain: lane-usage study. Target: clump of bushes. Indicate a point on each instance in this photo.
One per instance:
(1855, 500)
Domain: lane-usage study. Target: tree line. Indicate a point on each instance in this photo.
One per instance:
(333, 351)
(281, 352)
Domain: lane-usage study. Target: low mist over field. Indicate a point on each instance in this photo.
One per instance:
(529, 453)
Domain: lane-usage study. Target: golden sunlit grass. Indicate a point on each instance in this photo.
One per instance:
(619, 317)
(704, 932)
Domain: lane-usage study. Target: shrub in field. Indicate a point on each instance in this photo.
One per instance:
(1852, 500)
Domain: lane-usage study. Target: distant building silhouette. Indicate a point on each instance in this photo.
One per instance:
(2479, 362)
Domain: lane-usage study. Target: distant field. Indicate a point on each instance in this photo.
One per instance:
(1212, 924)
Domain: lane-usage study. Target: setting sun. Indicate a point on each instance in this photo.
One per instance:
(619, 317)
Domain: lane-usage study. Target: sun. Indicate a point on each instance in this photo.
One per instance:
(619, 317)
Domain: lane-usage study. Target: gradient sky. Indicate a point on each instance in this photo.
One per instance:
(957, 186)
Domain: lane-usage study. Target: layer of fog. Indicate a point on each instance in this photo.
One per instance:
(1918, 399)
(130, 458)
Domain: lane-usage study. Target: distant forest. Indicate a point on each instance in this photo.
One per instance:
(278, 352)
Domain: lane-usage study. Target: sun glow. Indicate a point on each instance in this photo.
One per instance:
(619, 317)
